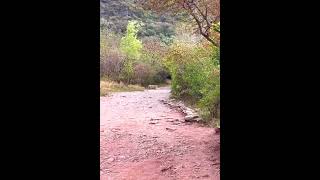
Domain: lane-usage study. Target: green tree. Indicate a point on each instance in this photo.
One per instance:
(131, 46)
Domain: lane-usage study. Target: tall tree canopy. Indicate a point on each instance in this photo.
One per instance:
(205, 13)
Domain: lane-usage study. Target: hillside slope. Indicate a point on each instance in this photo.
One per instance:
(115, 14)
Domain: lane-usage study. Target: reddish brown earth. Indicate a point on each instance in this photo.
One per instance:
(143, 139)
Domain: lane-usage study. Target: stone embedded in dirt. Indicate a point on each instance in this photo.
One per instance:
(217, 163)
(166, 168)
(122, 157)
(189, 118)
(169, 129)
(150, 106)
(110, 160)
(153, 122)
(176, 123)
(216, 130)
(115, 129)
(154, 119)
(195, 115)
(135, 159)
(191, 115)
(168, 118)
(152, 86)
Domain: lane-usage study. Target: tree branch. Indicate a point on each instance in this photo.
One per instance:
(204, 34)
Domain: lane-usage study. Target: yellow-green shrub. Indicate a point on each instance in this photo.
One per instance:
(195, 73)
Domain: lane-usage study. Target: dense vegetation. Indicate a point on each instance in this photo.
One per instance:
(115, 15)
(133, 53)
(194, 65)
(130, 60)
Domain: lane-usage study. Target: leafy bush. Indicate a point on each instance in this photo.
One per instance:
(195, 73)
(143, 74)
(153, 53)
(111, 58)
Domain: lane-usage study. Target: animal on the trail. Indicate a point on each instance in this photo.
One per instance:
(152, 86)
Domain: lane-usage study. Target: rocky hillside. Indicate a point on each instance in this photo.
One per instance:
(115, 14)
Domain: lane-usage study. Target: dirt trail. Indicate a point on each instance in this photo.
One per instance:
(143, 139)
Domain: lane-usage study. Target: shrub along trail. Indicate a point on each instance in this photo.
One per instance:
(143, 139)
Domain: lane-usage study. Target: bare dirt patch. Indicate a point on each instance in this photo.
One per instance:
(144, 139)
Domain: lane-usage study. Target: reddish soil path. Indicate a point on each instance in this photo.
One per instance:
(143, 139)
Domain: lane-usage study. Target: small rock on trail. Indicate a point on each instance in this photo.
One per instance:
(110, 160)
(139, 142)
(169, 129)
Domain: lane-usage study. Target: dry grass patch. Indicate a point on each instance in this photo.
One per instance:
(109, 86)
